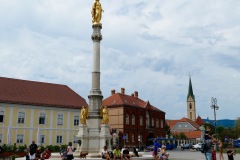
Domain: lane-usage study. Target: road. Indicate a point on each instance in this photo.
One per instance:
(174, 155)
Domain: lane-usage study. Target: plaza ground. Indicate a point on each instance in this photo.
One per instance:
(174, 155)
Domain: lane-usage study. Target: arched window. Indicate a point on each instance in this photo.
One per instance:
(133, 119)
(161, 123)
(60, 119)
(157, 123)
(133, 137)
(42, 118)
(21, 117)
(141, 121)
(152, 122)
(127, 119)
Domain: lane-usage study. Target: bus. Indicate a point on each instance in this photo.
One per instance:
(170, 143)
(237, 142)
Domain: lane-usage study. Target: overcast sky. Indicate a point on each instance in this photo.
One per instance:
(149, 46)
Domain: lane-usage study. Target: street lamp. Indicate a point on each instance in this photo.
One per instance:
(214, 107)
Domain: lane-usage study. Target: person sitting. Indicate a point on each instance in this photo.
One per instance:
(105, 154)
(117, 153)
(163, 154)
(126, 154)
(46, 154)
(38, 153)
(63, 154)
(135, 151)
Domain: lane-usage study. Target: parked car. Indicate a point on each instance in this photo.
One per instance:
(149, 148)
(197, 146)
(186, 146)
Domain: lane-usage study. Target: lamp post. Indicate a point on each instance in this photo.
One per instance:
(214, 107)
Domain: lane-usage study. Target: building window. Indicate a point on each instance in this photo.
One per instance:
(42, 118)
(21, 117)
(139, 138)
(0, 138)
(19, 138)
(161, 123)
(133, 137)
(42, 139)
(190, 115)
(190, 106)
(147, 120)
(152, 122)
(133, 119)
(127, 119)
(76, 120)
(59, 139)
(1, 116)
(157, 123)
(141, 121)
(75, 139)
(60, 119)
(126, 137)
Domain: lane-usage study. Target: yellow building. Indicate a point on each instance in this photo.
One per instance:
(44, 112)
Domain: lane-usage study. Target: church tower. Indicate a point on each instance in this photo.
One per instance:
(191, 105)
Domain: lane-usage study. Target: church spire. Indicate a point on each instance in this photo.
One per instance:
(190, 90)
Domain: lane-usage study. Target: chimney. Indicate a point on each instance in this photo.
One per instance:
(136, 94)
(113, 92)
(123, 90)
(132, 94)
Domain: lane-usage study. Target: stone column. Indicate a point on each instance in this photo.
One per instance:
(95, 97)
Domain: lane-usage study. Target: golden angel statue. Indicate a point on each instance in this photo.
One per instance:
(96, 12)
(104, 113)
(83, 115)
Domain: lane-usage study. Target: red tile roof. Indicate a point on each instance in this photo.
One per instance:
(172, 123)
(199, 121)
(26, 92)
(190, 134)
(119, 99)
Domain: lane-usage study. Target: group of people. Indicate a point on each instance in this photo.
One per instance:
(35, 153)
(159, 152)
(117, 154)
(210, 151)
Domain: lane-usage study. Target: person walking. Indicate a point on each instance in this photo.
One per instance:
(208, 144)
(70, 151)
(156, 146)
(220, 149)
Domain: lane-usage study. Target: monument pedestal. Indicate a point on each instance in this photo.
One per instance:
(83, 137)
(105, 136)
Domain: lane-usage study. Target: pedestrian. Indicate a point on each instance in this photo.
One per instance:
(230, 153)
(156, 146)
(70, 151)
(220, 149)
(32, 150)
(208, 144)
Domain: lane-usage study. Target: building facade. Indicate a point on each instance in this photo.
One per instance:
(45, 112)
(133, 119)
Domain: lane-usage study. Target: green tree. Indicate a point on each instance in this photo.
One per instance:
(220, 132)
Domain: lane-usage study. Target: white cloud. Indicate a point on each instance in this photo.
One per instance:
(148, 46)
